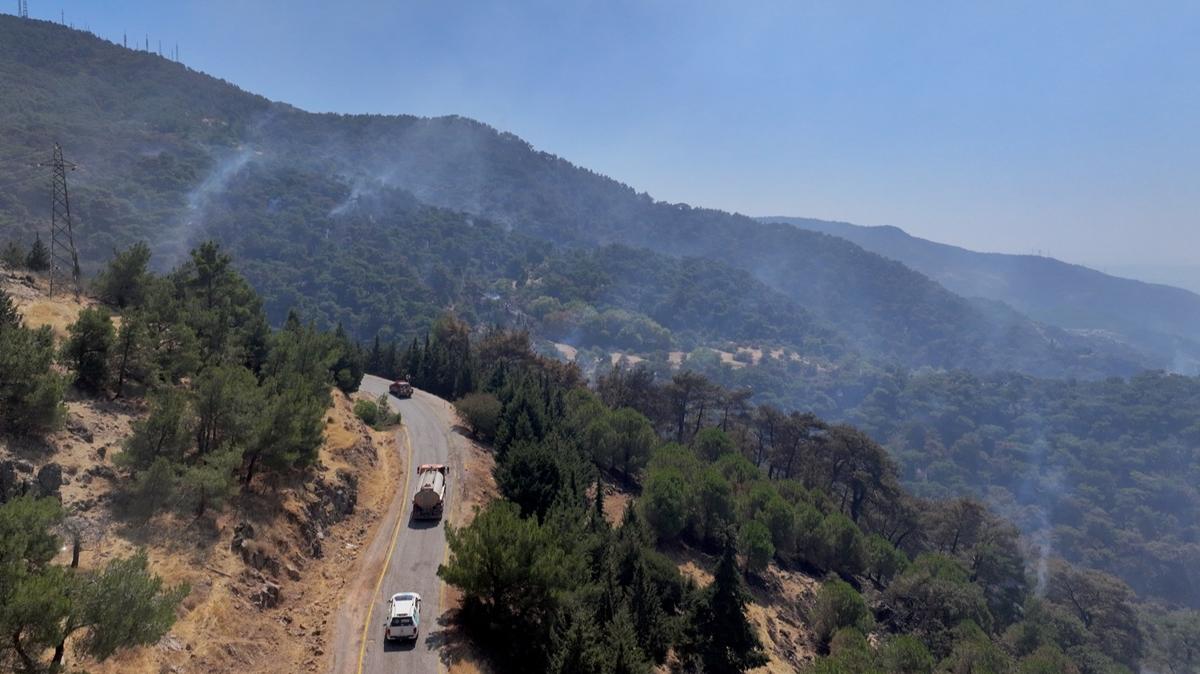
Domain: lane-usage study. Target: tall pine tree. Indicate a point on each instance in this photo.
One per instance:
(723, 640)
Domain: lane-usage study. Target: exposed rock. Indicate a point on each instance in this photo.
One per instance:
(267, 596)
(103, 471)
(9, 481)
(291, 571)
(50, 479)
(76, 428)
(242, 532)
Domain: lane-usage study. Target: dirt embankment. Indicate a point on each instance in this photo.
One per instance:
(266, 574)
(780, 601)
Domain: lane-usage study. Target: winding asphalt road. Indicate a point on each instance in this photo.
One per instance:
(405, 553)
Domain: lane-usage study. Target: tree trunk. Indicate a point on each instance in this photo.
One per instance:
(121, 371)
(251, 466)
(30, 665)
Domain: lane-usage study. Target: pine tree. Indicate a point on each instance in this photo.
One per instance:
(577, 648)
(13, 256)
(132, 354)
(39, 256)
(88, 348)
(622, 644)
(124, 282)
(348, 368)
(412, 360)
(722, 637)
(9, 316)
(649, 619)
(375, 357)
(389, 367)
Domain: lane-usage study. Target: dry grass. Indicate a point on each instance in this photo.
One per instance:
(625, 359)
(569, 352)
(776, 609)
(219, 629)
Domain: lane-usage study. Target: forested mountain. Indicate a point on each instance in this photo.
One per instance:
(1157, 319)
(382, 222)
(160, 148)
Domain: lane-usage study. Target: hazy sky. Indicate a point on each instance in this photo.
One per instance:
(1073, 128)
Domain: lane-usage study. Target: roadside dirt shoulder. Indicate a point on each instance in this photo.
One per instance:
(269, 574)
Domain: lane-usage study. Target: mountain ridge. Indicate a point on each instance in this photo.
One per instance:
(1160, 318)
(150, 135)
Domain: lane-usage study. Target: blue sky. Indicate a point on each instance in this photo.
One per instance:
(1068, 127)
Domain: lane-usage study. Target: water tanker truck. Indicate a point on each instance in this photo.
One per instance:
(431, 492)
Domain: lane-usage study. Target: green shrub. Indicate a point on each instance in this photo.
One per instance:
(884, 561)
(31, 392)
(481, 411)
(904, 654)
(368, 411)
(666, 501)
(756, 544)
(838, 605)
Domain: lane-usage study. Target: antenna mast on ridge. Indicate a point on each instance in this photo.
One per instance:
(62, 240)
(23, 9)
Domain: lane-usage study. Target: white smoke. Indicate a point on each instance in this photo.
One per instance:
(176, 240)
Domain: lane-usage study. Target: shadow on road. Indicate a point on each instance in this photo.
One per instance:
(423, 524)
(452, 643)
(403, 645)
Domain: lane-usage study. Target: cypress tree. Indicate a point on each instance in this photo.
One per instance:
(412, 360)
(649, 618)
(9, 316)
(389, 366)
(723, 639)
(39, 257)
(375, 357)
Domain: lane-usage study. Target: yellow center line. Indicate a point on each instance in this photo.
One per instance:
(362, 647)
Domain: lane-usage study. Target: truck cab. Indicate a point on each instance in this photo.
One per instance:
(404, 617)
(401, 389)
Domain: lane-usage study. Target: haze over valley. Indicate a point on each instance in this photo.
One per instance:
(675, 429)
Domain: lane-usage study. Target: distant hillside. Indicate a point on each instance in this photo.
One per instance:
(1159, 319)
(165, 154)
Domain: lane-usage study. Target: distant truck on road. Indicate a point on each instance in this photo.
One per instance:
(431, 492)
(401, 389)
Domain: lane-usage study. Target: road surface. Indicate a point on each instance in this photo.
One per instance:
(404, 554)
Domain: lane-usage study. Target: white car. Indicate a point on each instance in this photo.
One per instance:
(404, 616)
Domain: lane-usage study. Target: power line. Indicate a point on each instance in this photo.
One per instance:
(62, 239)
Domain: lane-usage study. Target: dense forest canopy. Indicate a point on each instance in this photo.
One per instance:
(550, 585)
(163, 152)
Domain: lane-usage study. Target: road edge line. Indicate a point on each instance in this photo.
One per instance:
(387, 561)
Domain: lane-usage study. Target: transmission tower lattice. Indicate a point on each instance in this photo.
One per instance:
(23, 9)
(64, 262)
